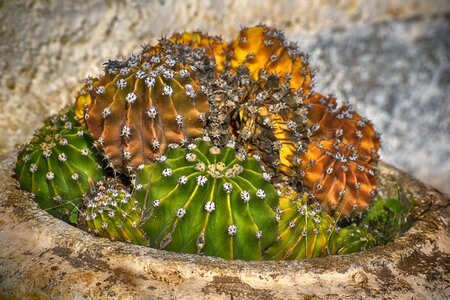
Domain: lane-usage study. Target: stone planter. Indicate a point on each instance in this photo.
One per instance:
(42, 258)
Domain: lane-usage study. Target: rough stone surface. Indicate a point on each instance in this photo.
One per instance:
(390, 58)
(43, 258)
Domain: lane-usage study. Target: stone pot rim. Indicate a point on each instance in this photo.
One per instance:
(119, 270)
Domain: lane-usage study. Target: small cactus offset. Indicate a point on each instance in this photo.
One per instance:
(111, 211)
(353, 238)
(305, 230)
(208, 200)
(59, 165)
(263, 48)
(140, 106)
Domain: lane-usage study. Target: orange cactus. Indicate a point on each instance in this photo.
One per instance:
(141, 106)
(263, 48)
(339, 164)
(215, 47)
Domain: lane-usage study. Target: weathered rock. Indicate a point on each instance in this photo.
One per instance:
(42, 257)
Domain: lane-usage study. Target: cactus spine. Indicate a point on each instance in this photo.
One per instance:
(58, 165)
(210, 201)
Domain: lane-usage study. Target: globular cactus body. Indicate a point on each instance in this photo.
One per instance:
(110, 211)
(305, 230)
(210, 201)
(58, 165)
(339, 164)
(136, 110)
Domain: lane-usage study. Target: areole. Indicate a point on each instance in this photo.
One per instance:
(42, 257)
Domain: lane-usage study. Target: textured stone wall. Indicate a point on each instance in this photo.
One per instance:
(389, 58)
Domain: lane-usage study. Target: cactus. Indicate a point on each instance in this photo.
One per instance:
(208, 200)
(339, 164)
(58, 165)
(263, 48)
(140, 106)
(305, 230)
(214, 47)
(111, 211)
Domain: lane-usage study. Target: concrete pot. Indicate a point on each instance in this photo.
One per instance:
(44, 258)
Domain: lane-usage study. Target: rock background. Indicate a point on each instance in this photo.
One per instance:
(389, 58)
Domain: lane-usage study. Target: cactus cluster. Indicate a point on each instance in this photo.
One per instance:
(213, 148)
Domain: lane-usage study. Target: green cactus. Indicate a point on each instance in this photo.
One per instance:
(305, 230)
(208, 200)
(58, 165)
(353, 238)
(111, 211)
